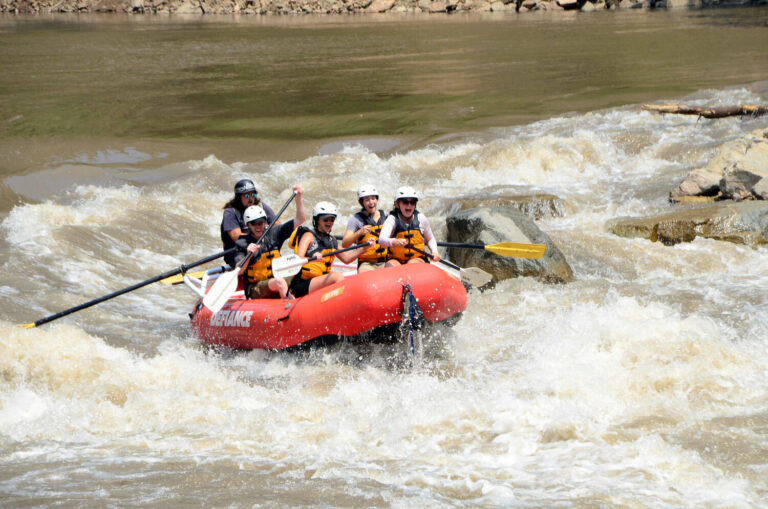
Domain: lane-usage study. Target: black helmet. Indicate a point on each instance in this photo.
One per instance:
(245, 186)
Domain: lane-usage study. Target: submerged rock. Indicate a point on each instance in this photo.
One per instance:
(738, 222)
(484, 225)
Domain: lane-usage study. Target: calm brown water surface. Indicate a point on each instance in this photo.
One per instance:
(268, 80)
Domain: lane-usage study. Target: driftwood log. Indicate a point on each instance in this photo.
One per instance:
(724, 111)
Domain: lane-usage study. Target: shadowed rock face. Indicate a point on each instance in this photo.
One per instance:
(504, 224)
(738, 222)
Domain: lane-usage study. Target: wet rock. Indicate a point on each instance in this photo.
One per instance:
(761, 189)
(486, 225)
(536, 206)
(732, 173)
(738, 222)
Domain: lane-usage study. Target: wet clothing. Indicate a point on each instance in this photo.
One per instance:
(260, 264)
(377, 253)
(417, 232)
(233, 218)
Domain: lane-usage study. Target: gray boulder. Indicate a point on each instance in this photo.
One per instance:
(483, 225)
(536, 206)
(739, 222)
(733, 171)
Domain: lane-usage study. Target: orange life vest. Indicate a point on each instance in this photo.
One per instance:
(320, 244)
(410, 232)
(377, 253)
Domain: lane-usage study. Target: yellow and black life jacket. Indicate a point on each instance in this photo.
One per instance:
(377, 253)
(320, 244)
(260, 265)
(410, 232)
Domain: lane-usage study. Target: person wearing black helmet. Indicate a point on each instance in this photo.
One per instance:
(232, 224)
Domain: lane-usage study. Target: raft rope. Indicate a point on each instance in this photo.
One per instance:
(413, 316)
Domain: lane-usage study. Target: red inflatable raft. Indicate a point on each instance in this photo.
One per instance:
(363, 304)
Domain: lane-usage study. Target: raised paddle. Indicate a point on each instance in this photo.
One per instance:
(182, 269)
(226, 284)
(508, 249)
(474, 276)
(291, 264)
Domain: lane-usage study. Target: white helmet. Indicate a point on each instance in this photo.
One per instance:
(367, 190)
(406, 192)
(254, 213)
(324, 208)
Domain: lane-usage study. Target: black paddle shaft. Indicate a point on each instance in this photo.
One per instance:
(444, 262)
(180, 270)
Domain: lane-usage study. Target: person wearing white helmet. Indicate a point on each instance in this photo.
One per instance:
(315, 243)
(232, 223)
(366, 224)
(405, 227)
(258, 280)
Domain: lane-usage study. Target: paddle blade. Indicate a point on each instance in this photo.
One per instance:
(288, 265)
(475, 276)
(179, 278)
(221, 291)
(517, 250)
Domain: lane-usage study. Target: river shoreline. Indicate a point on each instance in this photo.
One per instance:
(295, 7)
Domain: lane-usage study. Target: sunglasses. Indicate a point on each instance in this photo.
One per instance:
(408, 202)
(257, 222)
(328, 218)
(250, 195)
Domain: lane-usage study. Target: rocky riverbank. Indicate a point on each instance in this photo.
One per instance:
(723, 200)
(339, 6)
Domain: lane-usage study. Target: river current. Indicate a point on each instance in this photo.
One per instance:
(643, 383)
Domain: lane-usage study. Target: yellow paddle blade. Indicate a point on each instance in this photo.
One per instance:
(179, 278)
(26, 325)
(517, 250)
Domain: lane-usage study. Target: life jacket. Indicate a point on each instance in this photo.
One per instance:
(410, 232)
(320, 244)
(377, 253)
(260, 268)
(260, 265)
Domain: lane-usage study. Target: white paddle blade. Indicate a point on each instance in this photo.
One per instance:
(288, 265)
(221, 291)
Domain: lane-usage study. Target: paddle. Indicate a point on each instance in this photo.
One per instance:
(179, 278)
(226, 284)
(290, 265)
(508, 249)
(160, 277)
(474, 276)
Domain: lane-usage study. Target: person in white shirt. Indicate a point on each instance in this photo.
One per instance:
(406, 228)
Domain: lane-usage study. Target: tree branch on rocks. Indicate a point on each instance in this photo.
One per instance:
(725, 111)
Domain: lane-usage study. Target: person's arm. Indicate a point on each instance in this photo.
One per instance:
(301, 213)
(304, 242)
(429, 236)
(351, 256)
(353, 232)
(385, 235)
(231, 225)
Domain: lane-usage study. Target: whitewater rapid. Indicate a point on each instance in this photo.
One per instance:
(642, 383)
